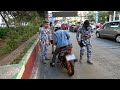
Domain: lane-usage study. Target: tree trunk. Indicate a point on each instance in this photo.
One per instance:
(43, 14)
(4, 19)
(46, 15)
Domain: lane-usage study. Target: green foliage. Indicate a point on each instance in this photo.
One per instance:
(91, 16)
(19, 17)
(15, 37)
(4, 50)
(21, 55)
(103, 16)
(3, 32)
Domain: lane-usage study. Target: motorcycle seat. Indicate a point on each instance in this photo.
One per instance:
(63, 48)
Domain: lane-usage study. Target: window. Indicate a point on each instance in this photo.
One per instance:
(115, 25)
(102, 27)
(106, 26)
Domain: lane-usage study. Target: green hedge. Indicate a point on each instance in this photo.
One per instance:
(15, 36)
(4, 32)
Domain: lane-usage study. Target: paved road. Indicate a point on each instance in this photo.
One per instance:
(106, 58)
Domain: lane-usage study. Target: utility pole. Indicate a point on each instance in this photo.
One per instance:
(97, 14)
(119, 16)
(110, 18)
(46, 15)
(114, 15)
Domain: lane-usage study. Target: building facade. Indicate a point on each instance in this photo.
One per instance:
(114, 15)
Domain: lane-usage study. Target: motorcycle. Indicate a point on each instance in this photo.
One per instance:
(67, 59)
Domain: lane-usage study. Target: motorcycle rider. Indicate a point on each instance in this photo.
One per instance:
(61, 39)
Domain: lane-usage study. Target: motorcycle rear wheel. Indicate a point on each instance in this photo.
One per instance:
(70, 68)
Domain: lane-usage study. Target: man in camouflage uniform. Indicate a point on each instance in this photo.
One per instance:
(84, 40)
(44, 39)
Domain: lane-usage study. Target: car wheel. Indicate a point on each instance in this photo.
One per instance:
(117, 38)
(98, 35)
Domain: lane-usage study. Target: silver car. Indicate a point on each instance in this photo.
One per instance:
(110, 30)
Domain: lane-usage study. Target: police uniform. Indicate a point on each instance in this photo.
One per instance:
(44, 37)
(81, 35)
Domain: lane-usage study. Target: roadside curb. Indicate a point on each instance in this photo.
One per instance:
(28, 62)
(24, 68)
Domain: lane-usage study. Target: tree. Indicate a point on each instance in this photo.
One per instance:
(91, 16)
(103, 16)
(20, 17)
(3, 15)
(43, 14)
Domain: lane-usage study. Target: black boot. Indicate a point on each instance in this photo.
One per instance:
(52, 64)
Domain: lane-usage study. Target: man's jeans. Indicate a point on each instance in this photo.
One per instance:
(55, 53)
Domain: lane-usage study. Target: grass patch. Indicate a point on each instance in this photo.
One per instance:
(21, 55)
(14, 37)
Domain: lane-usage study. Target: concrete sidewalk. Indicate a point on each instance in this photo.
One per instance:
(9, 71)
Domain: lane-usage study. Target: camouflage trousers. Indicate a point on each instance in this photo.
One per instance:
(44, 51)
(87, 46)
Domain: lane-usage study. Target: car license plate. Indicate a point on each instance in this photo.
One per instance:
(70, 57)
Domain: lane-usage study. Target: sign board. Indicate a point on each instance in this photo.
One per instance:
(65, 14)
(51, 19)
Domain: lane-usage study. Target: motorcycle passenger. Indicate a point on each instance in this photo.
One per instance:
(61, 39)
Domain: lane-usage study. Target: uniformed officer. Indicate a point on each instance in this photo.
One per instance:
(44, 39)
(85, 31)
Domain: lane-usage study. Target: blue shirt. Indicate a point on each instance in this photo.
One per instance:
(61, 38)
